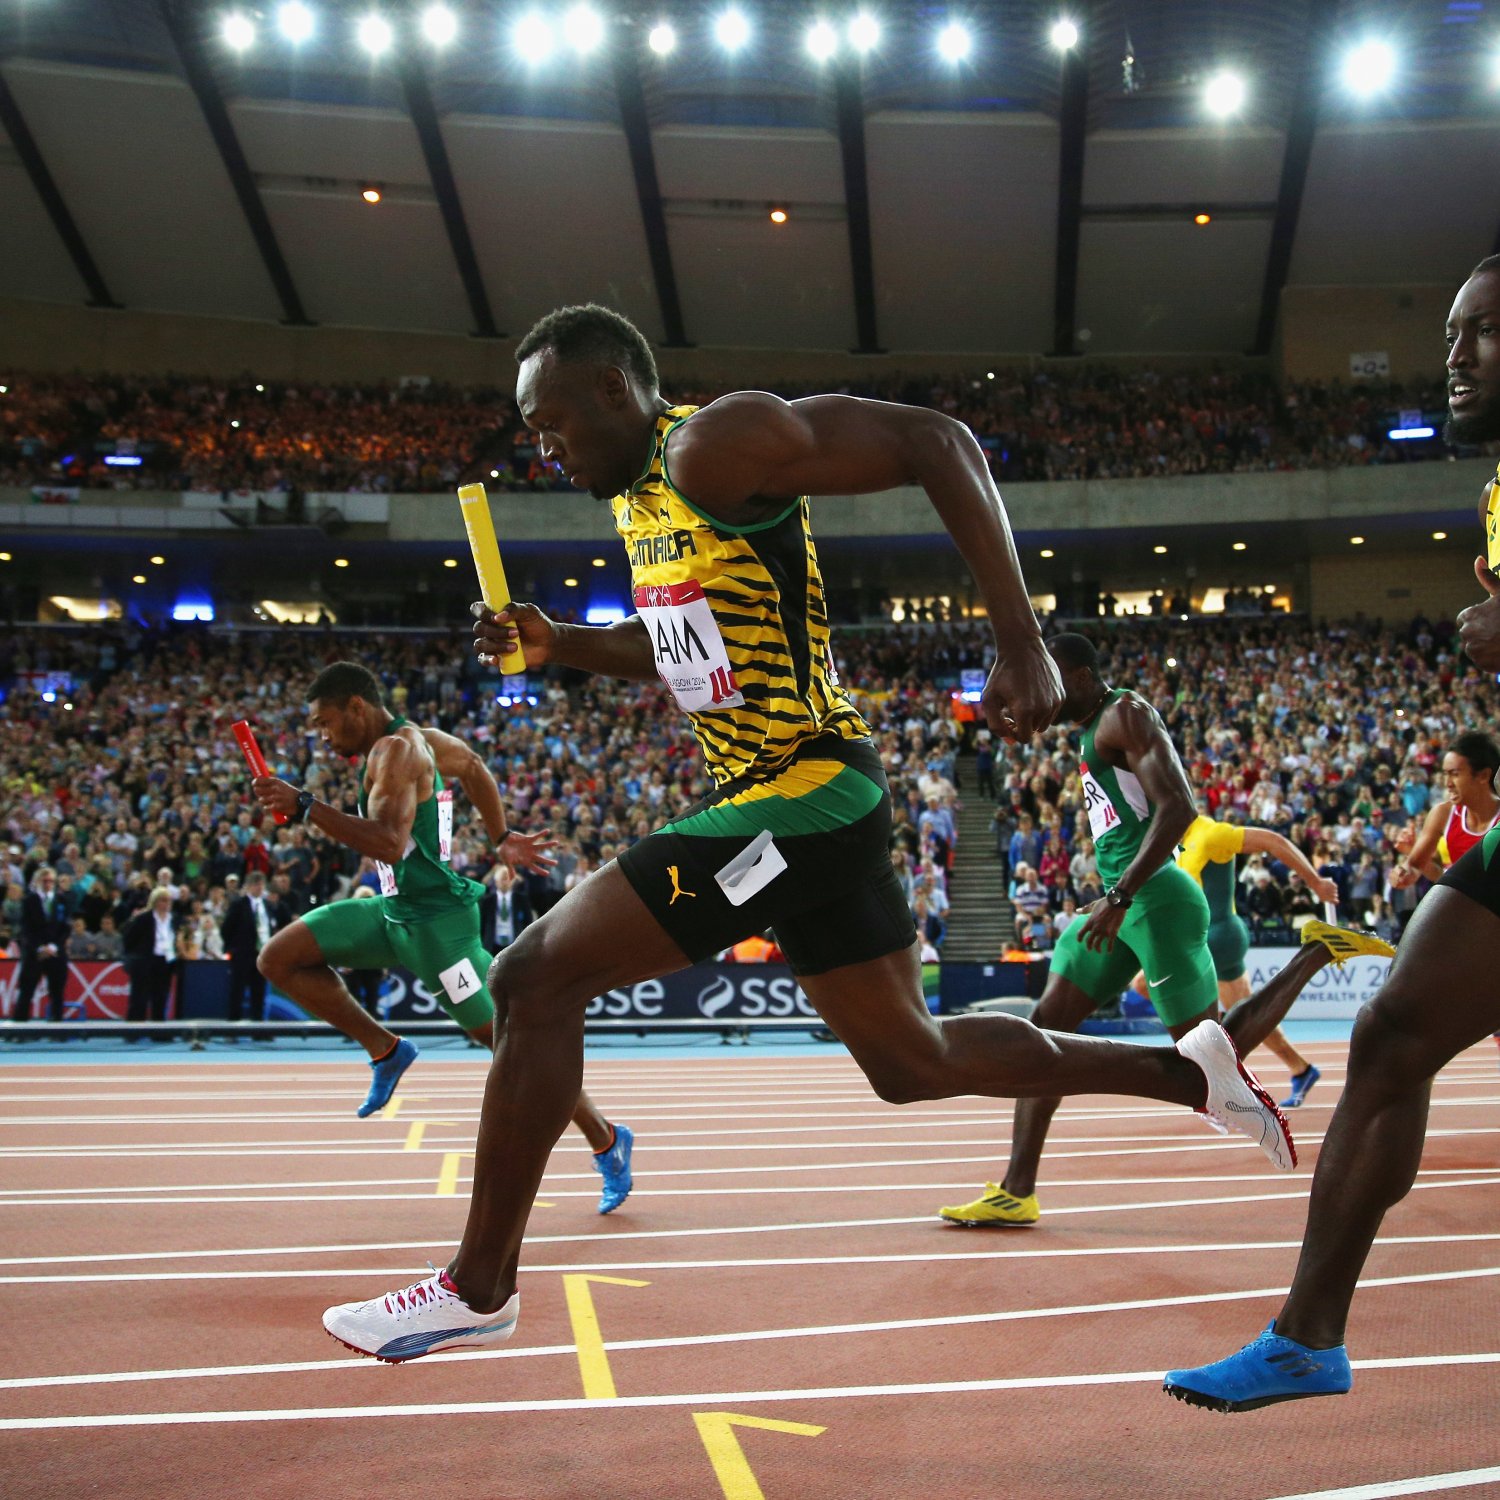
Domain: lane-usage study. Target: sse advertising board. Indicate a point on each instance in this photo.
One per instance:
(708, 992)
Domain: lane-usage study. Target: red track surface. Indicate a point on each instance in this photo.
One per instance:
(173, 1232)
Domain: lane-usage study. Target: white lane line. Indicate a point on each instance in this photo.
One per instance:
(12, 1196)
(1047, 1252)
(666, 1193)
(1135, 1206)
(1426, 1484)
(696, 1398)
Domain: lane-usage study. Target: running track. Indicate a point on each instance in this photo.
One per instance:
(775, 1312)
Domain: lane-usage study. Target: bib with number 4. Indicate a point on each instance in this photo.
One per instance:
(689, 651)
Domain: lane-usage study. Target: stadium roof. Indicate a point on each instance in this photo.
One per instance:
(1025, 200)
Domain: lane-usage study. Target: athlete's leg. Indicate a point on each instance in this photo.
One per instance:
(598, 937)
(879, 1012)
(1063, 1007)
(597, 1130)
(1233, 992)
(295, 964)
(1440, 998)
(1252, 1021)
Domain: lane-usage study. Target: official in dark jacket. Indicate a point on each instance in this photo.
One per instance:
(45, 925)
(151, 957)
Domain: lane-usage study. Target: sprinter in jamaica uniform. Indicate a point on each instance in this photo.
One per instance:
(1441, 997)
(426, 917)
(1153, 917)
(712, 508)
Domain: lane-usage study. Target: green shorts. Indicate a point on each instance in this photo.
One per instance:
(443, 952)
(1165, 935)
(1228, 943)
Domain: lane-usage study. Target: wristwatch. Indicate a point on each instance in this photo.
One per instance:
(1117, 898)
(305, 800)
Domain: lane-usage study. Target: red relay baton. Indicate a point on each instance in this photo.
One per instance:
(245, 735)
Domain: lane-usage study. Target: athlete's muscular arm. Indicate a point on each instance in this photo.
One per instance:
(457, 762)
(393, 772)
(1479, 624)
(1131, 735)
(1421, 858)
(1265, 841)
(745, 455)
(622, 650)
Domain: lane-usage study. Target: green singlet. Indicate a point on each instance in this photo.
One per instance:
(1166, 925)
(426, 918)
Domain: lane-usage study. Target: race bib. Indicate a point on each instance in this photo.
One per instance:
(445, 825)
(689, 651)
(387, 878)
(1102, 814)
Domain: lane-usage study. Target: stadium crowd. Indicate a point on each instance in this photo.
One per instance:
(129, 783)
(1088, 422)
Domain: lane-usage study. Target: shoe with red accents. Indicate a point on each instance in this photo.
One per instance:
(424, 1318)
(1236, 1100)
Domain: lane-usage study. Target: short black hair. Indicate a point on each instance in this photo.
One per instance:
(1474, 745)
(340, 681)
(1071, 651)
(1489, 263)
(591, 334)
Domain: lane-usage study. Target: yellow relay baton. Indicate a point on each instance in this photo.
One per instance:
(492, 585)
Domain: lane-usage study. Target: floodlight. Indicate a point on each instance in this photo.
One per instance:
(1224, 95)
(662, 40)
(822, 41)
(439, 25)
(731, 29)
(375, 34)
(954, 42)
(296, 22)
(864, 32)
(238, 31)
(583, 29)
(532, 37)
(1064, 35)
(1369, 67)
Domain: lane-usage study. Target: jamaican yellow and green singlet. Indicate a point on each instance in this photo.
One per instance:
(737, 621)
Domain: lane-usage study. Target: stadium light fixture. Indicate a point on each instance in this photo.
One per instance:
(662, 39)
(1203, 220)
(1495, 68)
(1159, 550)
(137, 577)
(1064, 35)
(778, 216)
(341, 562)
(1224, 95)
(599, 562)
(450, 562)
(532, 37)
(374, 33)
(583, 29)
(439, 25)
(1369, 67)
(5, 557)
(238, 31)
(260, 387)
(1407, 434)
(731, 29)
(822, 41)
(1046, 552)
(570, 583)
(864, 32)
(1239, 546)
(296, 22)
(954, 43)
(1440, 536)
(370, 194)
(157, 559)
(1356, 541)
